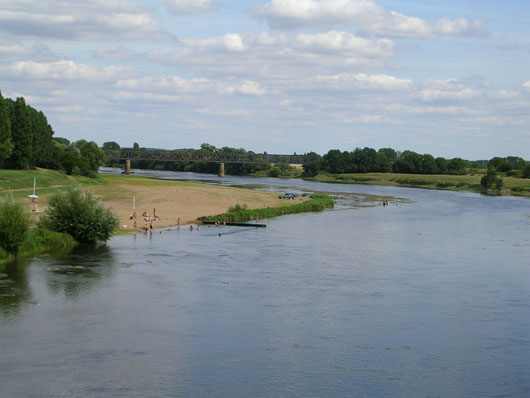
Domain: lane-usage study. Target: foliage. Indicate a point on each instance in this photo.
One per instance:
(111, 146)
(80, 215)
(312, 165)
(14, 224)
(22, 137)
(238, 213)
(526, 171)
(490, 181)
(6, 146)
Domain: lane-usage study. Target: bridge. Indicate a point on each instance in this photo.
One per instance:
(197, 156)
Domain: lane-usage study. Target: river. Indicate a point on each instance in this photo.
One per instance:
(426, 298)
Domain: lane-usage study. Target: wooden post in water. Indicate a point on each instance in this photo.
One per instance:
(127, 166)
(221, 169)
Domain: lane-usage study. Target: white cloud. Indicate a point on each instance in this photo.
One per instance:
(88, 19)
(290, 14)
(250, 88)
(335, 41)
(229, 42)
(526, 85)
(63, 70)
(188, 6)
(345, 81)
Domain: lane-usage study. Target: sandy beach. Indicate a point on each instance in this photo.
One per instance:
(173, 200)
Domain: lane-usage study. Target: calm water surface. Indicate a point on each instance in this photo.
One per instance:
(423, 299)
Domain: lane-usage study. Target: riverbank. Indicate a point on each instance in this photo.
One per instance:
(512, 185)
(174, 201)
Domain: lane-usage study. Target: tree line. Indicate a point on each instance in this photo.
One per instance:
(387, 160)
(26, 142)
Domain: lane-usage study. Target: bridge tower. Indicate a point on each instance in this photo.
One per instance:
(221, 169)
(127, 166)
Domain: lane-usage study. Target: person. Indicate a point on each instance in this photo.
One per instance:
(198, 227)
(178, 221)
(151, 225)
(224, 223)
(135, 225)
(191, 227)
(154, 212)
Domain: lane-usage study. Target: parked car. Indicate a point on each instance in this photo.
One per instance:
(287, 195)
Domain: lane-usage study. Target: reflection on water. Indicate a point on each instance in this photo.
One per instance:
(428, 297)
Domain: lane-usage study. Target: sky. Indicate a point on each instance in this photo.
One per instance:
(448, 78)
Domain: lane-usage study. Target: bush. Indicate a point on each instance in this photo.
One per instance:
(80, 215)
(14, 224)
(318, 202)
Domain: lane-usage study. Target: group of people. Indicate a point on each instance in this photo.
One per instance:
(385, 203)
(149, 219)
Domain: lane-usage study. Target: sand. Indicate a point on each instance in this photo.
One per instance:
(174, 200)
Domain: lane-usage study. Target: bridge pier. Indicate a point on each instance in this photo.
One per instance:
(127, 166)
(221, 170)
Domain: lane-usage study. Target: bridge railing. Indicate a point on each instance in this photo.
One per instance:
(196, 156)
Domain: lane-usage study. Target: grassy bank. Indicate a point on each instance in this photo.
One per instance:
(37, 242)
(512, 185)
(238, 213)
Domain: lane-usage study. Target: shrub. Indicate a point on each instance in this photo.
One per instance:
(80, 215)
(14, 224)
(318, 202)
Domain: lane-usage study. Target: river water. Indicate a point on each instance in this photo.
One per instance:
(426, 298)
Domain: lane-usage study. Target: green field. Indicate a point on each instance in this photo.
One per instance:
(512, 185)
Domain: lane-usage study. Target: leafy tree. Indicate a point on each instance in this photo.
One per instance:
(91, 157)
(441, 165)
(111, 146)
(22, 137)
(69, 160)
(62, 141)
(44, 152)
(491, 181)
(526, 171)
(428, 164)
(80, 215)
(312, 164)
(389, 153)
(456, 166)
(333, 162)
(6, 146)
(14, 224)
(136, 146)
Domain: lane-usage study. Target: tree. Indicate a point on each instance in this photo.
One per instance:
(62, 141)
(44, 152)
(456, 166)
(22, 137)
(111, 146)
(333, 161)
(526, 171)
(80, 215)
(6, 146)
(441, 165)
(14, 224)
(136, 147)
(91, 157)
(428, 164)
(491, 181)
(312, 164)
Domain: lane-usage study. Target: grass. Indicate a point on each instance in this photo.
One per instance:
(468, 182)
(39, 241)
(318, 202)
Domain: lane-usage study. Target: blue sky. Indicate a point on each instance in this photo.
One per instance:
(448, 78)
